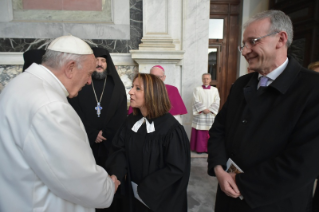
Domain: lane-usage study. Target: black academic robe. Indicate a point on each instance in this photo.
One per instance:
(159, 162)
(315, 200)
(113, 114)
(272, 135)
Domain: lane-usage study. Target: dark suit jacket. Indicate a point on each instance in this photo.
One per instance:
(273, 135)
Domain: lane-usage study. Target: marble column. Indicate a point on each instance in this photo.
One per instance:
(195, 44)
(161, 42)
(175, 35)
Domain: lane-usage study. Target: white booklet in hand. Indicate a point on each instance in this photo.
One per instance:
(231, 167)
(134, 186)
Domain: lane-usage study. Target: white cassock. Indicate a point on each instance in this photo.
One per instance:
(46, 160)
(204, 99)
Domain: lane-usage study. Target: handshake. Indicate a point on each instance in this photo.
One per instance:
(116, 182)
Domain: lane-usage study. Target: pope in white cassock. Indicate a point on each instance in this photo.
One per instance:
(47, 164)
(205, 107)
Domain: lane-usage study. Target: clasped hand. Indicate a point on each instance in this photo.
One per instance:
(227, 182)
(99, 137)
(206, 111)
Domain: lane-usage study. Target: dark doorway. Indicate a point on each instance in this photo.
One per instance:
(222, 48)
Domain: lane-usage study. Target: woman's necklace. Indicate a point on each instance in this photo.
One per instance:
(98, 107)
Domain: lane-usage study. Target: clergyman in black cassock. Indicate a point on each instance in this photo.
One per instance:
(110, 92)
(32, 56)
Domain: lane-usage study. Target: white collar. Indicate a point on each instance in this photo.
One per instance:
(63, 87)
(276, 72)
(149, 127)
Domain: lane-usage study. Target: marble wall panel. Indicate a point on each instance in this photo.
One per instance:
(86, 28)
(8, 72)
(62, 5)
(113, 46)
(82, 5)
(92, 11)
(42, 4)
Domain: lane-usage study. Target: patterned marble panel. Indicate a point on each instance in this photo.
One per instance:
(8, 72)
(113, 46)
(127, 74)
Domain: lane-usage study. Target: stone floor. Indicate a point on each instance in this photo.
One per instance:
(201, 187)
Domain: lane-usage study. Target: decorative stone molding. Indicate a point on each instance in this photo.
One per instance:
(158, 44)
(16, 58)
(150, 56)
(118, 28)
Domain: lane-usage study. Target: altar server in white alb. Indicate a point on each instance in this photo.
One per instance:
(205, 107)
(47, 164)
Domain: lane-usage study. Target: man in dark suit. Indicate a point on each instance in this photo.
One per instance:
(268, 126)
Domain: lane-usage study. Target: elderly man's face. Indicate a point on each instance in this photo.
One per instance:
(206, 79)
(158, 72)
(261, 56)
(82, 76)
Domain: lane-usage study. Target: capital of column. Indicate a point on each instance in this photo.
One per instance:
(152, 56)
(150, 43)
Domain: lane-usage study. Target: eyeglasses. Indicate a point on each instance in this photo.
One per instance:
(252, 42)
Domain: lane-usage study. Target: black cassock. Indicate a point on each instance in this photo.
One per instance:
(114, 104)
(159, 162)
(112, 115)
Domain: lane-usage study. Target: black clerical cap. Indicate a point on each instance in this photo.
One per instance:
(100, 52)
(32, 56)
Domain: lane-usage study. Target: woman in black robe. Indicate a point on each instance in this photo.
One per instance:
(151, 149)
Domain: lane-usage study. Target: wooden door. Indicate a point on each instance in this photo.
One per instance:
(227, 53)
(305, 19)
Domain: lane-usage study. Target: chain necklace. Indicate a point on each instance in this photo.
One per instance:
(98, 107)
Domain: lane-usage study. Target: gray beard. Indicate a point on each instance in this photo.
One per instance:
(99, 75)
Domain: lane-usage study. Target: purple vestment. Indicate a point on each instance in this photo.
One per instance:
(178, 107)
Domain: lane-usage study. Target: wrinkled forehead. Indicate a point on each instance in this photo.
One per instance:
(257, 28)
(206, 76)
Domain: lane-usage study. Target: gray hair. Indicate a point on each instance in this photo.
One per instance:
(56, 59)
(279, 22)
(207, 74)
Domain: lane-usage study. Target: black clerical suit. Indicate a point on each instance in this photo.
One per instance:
(272, 135)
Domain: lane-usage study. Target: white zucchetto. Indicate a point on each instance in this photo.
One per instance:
(70, 44)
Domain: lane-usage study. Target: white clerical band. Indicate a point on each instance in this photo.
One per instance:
(149, 127)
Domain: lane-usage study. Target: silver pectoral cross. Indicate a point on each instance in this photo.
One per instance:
(98, 109)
